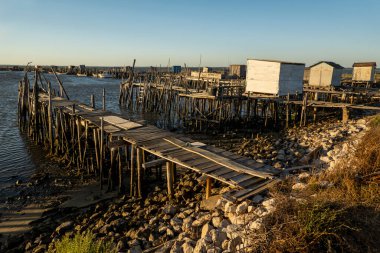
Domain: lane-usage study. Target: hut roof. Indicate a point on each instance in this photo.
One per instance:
(284, 62)
(332, 64)
(364, 64)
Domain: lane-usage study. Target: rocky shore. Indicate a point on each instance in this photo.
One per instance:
(188, 223)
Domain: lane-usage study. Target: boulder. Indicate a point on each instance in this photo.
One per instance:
(242, 208)
(218, 236)
(205, 230)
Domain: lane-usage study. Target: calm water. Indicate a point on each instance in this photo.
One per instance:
(18, 157)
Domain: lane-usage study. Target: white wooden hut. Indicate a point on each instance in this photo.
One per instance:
(325, 74)
(274, 77)
(364, 72)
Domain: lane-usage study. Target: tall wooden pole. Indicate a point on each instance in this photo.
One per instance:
(104, 99)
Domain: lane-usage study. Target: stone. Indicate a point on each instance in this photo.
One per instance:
(224, 223)
(201, 220)
(236, 219)
(201, 246)
(169, 209)
(299, 186)
(218, 236)
(205, 230)
(64, 227)
(256, 225)
(303, 176)
(135, 249)
(121, 246)
(242, 208)
(177, 247)
(187, 247)
(233, 243)
(216, 221)
(229, 208)
(278, 165)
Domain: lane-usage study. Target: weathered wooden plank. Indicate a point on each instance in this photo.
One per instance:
(222, 161)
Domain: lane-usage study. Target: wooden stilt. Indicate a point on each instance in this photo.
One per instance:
(169, 179)
(208, 187)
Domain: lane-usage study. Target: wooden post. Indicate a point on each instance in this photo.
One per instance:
(139, 177)
(345, 115)
(104, 99)
(101, 153)
(93, 101)
(133, 147)
(208, 187)
(51, 139)
(169, 179)
(120, 170)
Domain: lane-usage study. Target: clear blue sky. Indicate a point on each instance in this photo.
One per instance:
(111, 33)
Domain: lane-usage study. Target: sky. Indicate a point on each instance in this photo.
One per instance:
(113, 33)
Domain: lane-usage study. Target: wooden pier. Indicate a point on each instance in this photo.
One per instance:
(114, 148)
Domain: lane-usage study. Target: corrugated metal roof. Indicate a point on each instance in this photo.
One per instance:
(364, 64)
(332, 64)
(284, 62)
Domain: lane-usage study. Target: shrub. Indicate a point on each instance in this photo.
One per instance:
(81, 243)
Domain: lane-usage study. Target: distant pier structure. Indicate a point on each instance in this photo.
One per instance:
(236, 70)
(363, 73)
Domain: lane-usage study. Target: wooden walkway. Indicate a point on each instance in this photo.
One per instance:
(246, 176)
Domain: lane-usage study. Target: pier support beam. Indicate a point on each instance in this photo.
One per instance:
(208, 187)
(345, 115)
(169, 178)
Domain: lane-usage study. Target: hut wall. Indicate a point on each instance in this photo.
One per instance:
(365, 74)
(291, 79)
(277, 78)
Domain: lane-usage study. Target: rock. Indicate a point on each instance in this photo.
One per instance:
(256, 225)
(261, 211)
(224, 223)
(187, 224)
(236, 219)
(177, 247)
(229, 208)
(218, 236)
(278, 165)
(242, 208)
(299, 186)
(169, 209)
(211, 203)
(233, 243)
(201, 246)
(205, 230)
(216, 221)
(121, 246)
(176, 222)
(135, 249)
(64, 227)
(250, 209)
(303, 176)
(169, 233)
(269, 204)
(201, 220)
(187, 247)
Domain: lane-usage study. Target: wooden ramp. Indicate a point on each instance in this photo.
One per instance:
(246, 176)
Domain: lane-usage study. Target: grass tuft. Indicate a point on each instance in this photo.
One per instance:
(81, 243)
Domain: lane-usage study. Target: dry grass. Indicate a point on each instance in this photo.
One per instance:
(344, 217)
